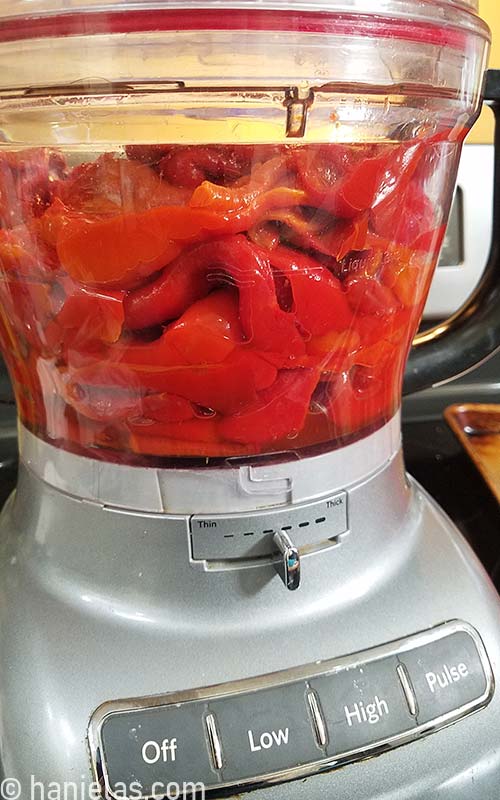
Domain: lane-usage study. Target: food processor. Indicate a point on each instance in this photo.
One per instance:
(219, 222)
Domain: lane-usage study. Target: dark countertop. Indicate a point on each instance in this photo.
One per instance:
(436, 459)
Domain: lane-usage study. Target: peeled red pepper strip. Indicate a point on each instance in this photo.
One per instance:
(123, 401)
(224, 387)
(123, 250)
(319, 301)
(419, 216)
(334, 238)
(27, 181)
(242, 206)
(102, 404)
(28, 306)
(198, 430)
(432, 240)
(279, 411)
(265, 325)
(113, 185)
(209, 330)
(190, 165)
(243, 216)
(367, 296)
(86, 316)
(347, 180)
(24, 254)
(166, 407)
(196, 438)
(262, 179)
(207, 333)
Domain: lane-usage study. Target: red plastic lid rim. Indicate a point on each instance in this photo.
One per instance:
(97, 22)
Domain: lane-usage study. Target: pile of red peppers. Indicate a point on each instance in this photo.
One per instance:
(214, 300)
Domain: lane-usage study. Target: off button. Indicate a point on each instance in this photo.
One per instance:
(145, 751)
(265, 732)
(446, 675)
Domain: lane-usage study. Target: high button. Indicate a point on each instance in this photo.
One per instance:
(363, 705)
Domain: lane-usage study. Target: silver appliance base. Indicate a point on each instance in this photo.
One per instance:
(101, 604)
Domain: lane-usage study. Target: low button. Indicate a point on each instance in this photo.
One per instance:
(445, 674)
(363, 705)
(265, 732)
(156, 746)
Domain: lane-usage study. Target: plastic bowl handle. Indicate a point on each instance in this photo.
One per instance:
(469, 337)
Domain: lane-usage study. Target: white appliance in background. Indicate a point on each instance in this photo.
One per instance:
(467, 242)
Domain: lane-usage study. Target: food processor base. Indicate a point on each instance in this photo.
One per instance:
(102, 604)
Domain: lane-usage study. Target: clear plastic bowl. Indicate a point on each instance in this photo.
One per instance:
(218, 239)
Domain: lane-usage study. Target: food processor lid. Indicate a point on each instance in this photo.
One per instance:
(445, 12)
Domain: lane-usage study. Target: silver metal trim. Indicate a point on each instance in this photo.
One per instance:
(288, 564)
(407, 687)
(317, 717)
(214, 741)
(291, 676)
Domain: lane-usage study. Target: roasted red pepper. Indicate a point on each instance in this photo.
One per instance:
(124, 250)
(265, 325)
(367, 296)
(184, 439)
(215, 300)
(23, 255)
(200, 431)
(334, 238)
(87, 316)
(189, 166)
(224, 387)
(209, 331)
(418, 218)
(29, 306)
(115, 186)
(277, 412)
(319, 300)
(347, 180)
(243, 206)
(166, 408)
(27, 183)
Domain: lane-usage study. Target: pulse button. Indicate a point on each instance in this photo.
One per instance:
(445, 674)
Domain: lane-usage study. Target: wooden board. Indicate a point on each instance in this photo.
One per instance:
(477, 426)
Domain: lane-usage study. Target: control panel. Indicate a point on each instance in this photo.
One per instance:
(293, 723)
